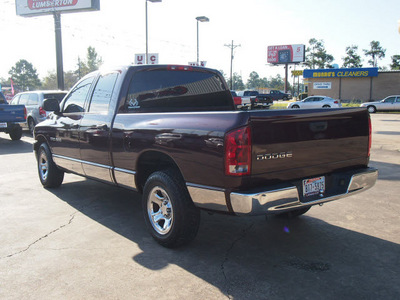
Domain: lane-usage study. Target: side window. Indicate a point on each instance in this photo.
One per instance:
(390, 100)
(309, 99)
(76, 99)
(24, 99)
(15, 100)
(33, 99)
(102, 93)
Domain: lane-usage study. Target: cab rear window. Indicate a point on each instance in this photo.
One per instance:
(164, 90)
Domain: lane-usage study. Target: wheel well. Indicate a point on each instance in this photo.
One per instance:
(151, 162)
(39, 140)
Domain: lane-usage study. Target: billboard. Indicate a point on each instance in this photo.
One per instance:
(286, 54)
(32, 8)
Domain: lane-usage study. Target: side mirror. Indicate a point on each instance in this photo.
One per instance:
(51, 105)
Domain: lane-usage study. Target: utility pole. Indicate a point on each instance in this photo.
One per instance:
(233, 47)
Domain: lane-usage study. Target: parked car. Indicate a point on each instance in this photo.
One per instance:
(241, 102)
(257, 100)
(391, 103)
(316, 102)
(33, 102)
(11, 117)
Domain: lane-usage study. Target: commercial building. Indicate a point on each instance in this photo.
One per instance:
(355, 84)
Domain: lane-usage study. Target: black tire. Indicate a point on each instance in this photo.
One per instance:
(371, 109)
(16, 133)
(285, 98)
(169, 212)
(294, 213)
(50, 176)
(295, 106)
(326, 106)
(31, 125)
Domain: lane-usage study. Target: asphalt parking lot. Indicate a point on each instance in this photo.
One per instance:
(87, 240)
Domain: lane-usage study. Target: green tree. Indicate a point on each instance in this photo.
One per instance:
(92, 63)
(395, 65)
(50, 81)
(316, 55)
(237, 82)
(375, 52)
(276, 83)
(254, 81)
(352, 59)
(25, 75)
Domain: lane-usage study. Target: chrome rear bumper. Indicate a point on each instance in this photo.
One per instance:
(275, 200)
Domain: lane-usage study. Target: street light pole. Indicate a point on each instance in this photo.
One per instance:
(200, 19)
(147, 31)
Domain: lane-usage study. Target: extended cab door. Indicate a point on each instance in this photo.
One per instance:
(94, 130)
(65, 143)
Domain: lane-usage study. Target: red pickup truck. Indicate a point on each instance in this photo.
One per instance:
(173, 134)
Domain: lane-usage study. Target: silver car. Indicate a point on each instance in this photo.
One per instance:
(316, 102)
(33, 102)
(390, 103)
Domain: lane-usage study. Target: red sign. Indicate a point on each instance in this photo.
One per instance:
(285, 54)
(40, 4)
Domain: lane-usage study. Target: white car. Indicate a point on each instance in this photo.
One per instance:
(316, 102)
(390, 103)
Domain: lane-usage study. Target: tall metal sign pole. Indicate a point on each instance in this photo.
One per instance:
(59, 56)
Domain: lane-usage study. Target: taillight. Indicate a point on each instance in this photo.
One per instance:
(25, 113)
(336, 102)
(238, 152)
(256, 100)
(42, 112)
(369, 136)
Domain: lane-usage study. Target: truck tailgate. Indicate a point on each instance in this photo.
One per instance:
(12, 113)
(305, 143)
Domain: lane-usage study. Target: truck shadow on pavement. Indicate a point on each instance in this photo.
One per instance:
(8, 146)
(387, 171)
(251, 257)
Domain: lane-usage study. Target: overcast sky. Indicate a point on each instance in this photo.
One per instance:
(117, 32)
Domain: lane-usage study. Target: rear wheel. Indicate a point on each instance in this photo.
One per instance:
(294, 213)
(16, 133)
(169, 212)
(371, 109)
(31, 125)
(50, 176)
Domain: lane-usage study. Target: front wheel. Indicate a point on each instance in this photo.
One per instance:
(326, 106)
(50, 176)
(169, 212)
(371, 109)
(295, 106)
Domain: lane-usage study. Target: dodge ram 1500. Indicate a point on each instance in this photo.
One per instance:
(173, 134)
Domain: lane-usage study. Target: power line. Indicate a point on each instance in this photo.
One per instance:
(232, 47)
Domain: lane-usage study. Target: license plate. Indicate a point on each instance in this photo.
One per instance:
(3, 125)
(313, 186)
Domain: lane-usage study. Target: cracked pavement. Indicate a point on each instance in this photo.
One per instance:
(88, 240)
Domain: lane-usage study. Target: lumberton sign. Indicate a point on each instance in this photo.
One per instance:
(30, 8)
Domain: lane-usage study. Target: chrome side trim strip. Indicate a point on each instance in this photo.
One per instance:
(125, 178)
(208, 197)
(285, 199)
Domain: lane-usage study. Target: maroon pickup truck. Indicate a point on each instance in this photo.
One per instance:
(172, 133)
